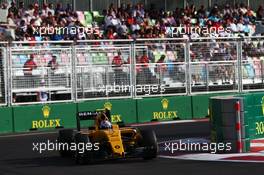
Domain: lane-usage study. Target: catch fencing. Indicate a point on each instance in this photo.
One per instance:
(48, 72)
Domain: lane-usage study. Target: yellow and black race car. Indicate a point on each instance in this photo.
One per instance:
(103, 143)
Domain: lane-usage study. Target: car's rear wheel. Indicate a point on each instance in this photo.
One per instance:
(82, 156)
(65, 137)
(149, 141)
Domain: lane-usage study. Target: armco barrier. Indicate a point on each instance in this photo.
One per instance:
(164, 108)
(44, 117)
(6, 120)
(123, 110)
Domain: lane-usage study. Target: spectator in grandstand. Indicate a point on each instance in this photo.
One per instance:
(140, 78)
(42, 96)
(132, 22)
(29, 66)
(13, 9)
(260, 13)
(117, 60)
(144, 60)
(53, 64)
(117, 67)
(21, 9)
(160, 66)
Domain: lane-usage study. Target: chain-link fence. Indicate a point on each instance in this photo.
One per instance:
(161, 67)
(103, 70)
(41, 73)
(213, 65)
(252, 64)
(67, 71)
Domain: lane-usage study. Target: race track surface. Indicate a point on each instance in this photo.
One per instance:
(17, 158)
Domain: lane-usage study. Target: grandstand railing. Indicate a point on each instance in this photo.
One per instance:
(3, 74)
(85, 70)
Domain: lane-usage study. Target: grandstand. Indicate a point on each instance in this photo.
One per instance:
(151, 58)
(99, 5)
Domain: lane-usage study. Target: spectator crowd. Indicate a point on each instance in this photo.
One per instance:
(128, 21)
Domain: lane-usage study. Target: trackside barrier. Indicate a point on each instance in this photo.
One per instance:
(238, 127)
(164, 108)
(254, 117)
(44, 117)
(227, 112)
(6, 121)
(122, 111)
(241, 122)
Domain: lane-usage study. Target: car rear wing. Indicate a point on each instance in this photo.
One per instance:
(87, 115)
(90, 115)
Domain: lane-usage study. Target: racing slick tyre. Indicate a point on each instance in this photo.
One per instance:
(82, 156)
(65, 137)
(150, 144)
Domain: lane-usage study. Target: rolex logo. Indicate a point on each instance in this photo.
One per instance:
(108, 106)
(46, 111)
(165, 103)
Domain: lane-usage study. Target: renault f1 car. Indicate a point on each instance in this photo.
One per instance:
(112, 143)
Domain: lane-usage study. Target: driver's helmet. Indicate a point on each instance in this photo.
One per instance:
(105, 123)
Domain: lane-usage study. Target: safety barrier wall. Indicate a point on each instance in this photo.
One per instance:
(51, 116)
(127, 111)
(6, 121)
(254, 115)
(44, 117)
(164, 108)
(238, 119)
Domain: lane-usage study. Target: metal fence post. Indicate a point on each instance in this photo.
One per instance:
(239, 65)
(133, 76)
(3, 74)
(262, 70)
(207, 76)
(188, 76)
(73, 73)
(9, 75)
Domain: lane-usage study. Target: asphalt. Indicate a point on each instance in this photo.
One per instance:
(18, 158)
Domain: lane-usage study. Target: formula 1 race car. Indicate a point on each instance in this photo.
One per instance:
(106, 143)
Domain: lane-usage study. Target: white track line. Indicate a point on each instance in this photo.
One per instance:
(220, 160)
